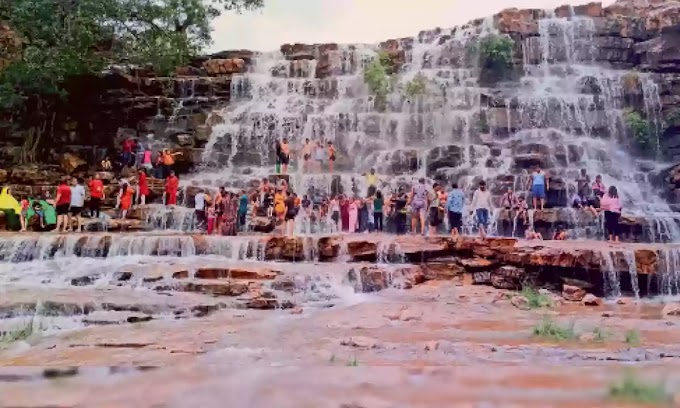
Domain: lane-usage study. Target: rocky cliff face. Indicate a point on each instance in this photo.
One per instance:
(576, 71)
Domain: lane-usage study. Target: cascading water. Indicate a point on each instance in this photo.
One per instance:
(612, 280)
(567, 113)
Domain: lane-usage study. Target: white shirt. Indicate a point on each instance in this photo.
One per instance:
(481, 200)
(78, 196)
(199, 201)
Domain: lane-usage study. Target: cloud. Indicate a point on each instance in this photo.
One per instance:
(352, 21)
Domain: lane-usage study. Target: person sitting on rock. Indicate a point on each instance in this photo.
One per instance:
(106, 164)
(39, 211)
(560, 235)
(23, 216)
(532, 235)
(521, 210)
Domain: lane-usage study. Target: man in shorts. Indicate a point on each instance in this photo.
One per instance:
(62, 205)
(77, 203)
(418, 205)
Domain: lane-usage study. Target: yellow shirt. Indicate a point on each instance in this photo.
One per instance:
(372, 179)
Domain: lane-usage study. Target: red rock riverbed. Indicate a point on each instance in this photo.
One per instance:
(208, 330)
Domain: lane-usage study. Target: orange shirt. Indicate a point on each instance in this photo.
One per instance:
(168, 159)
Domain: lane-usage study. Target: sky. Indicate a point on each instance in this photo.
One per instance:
(352, 21)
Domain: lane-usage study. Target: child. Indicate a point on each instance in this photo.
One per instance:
(560, 235)
(24, 213)
(211, 219)
(37, 208)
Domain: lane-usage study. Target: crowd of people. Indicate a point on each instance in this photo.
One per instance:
(430, 209)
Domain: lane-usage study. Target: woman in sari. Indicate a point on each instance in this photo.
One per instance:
(230, 210)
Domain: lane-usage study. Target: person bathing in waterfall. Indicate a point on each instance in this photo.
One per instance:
(353, 209)
(306, 153)
(291, 213)
(285, 155)
(540, 184)
(481, 204)
(125, 199)
(611, 205)
(418, 202)
(371, 182)
(143, 190)
(331, 156)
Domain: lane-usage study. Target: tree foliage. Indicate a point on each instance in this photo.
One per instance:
(66, 38)
(495, 57)
(640, 130)
(378, 81)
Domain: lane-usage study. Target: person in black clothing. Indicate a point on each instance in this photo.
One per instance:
(400, 213)
(278, 156)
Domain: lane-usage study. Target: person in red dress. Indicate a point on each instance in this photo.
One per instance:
(171, 186)
(143, 190)
(344, 213)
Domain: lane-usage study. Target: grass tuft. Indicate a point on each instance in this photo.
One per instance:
(549, 329)
(353, 363)
(633, 389)
(332, 359)
(22, 332)
(600, 335)
(536, 300)
(633, 337)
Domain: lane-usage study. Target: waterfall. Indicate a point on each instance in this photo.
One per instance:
(629, 255)
(669, 271)
(612, 283)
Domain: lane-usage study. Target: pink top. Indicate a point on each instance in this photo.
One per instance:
(608, 203)
(147, 157)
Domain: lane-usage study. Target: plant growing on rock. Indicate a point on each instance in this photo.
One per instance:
(639, 129)
(495, 57)
(22, 332)
(378, 81)
(632, 337)
(550, 330)
(536, 299)
(416, 86)
(632, 389)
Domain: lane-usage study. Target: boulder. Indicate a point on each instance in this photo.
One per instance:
(71, 163)
(591, 300)
(228, 66)
(573, 293)
(671, 309)
(520, 302)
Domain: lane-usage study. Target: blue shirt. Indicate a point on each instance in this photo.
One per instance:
(538, 179)
(455, 201)
(243, 204)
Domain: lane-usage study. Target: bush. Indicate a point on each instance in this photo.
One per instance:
(639, 128)
(416, 86)
(378, 81)
(632, 337)
(495, 57)
(633, 390)
(550, 330)
(536, 300)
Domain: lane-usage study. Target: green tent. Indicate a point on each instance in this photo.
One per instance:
(49, 212)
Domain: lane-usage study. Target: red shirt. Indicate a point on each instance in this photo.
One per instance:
(64, 193)
(143, 184)
(171, 185)
(96, 189)
(128, 144)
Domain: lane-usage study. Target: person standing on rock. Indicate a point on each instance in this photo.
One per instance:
(96, 195)
(378, 203)
(291, 213)
(418, 204)
(143, 190)
(334, 211)
(77, 203)
(539, 185)
(481, 205)
(125, 199)
(285, 156)
(319, 156)
(331, 156)
(433, 209)
(199, 208)
(454, 209)
(611, 205)
(306, 152)
(242, 210)
(353, 209)
(171, 187)
(62, 204)
(371, 182)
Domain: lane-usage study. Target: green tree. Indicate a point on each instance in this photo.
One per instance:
(378, 81)
(65, 38)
